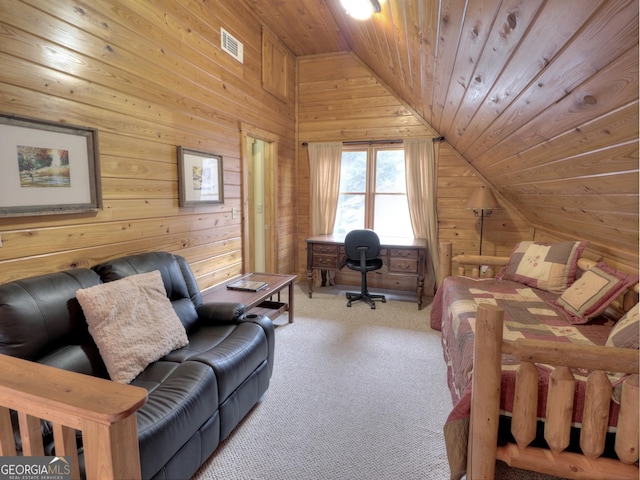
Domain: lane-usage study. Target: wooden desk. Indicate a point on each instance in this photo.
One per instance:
(401, 256)
(258, 302)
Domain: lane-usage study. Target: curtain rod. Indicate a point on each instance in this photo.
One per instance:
(370, 142)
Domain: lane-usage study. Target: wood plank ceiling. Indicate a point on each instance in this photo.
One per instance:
(539, 96)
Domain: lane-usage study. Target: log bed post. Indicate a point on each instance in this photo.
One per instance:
(445, 261)
(485, 393)
(482, 447)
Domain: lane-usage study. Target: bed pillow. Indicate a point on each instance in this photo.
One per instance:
(593, 292)
(625, 332)
(547, 266)
(132, 322)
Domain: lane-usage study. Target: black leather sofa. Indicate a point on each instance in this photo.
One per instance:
(197, 394)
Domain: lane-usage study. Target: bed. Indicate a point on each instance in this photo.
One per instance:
(553, 380)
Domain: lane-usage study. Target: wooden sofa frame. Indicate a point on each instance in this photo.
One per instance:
(483, 448)
(102, 410)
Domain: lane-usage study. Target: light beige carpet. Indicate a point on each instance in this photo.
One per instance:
(355, 394)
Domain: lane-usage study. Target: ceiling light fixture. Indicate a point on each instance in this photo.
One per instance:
(361, 9)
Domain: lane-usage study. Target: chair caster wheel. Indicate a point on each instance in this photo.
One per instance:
(348, 304)
(373, 307)
(384, 300)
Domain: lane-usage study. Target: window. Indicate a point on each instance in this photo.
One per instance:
(373, 191)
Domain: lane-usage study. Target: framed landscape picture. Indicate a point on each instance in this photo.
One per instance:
(47, 168)
(200, 178)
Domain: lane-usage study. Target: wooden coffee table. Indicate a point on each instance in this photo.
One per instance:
(260, 302)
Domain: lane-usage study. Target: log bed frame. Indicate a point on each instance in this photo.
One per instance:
(483, 448)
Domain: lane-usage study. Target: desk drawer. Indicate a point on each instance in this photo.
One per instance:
(324, 261)
(403, 253)
(323, 248)
(402, 265)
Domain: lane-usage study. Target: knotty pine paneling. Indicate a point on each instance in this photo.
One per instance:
(308, 28)
(340, 100)
(516, 93)
(458, 225)
(149, 77)
(334, 88)
(523, 90)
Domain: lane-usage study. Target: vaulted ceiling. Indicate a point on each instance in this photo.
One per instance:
(539, 96)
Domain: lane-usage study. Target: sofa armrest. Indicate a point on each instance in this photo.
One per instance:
(219, 312)
(269, 331)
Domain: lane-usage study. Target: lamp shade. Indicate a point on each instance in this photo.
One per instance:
(483, 199)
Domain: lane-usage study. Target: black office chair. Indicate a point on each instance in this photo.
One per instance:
(362, 248)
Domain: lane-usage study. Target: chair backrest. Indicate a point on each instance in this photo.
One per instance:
(362, 238)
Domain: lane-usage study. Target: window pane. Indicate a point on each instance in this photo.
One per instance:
(353, 172)
(390, 177)
(350, 215)
(391, 217)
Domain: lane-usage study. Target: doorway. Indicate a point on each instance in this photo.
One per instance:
(259, 165)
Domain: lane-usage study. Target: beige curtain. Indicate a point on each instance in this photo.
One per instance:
(421, 191)
(324, 172)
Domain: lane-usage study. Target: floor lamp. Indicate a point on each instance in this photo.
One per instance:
(482, 202)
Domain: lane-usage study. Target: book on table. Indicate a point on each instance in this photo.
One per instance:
(247, 285)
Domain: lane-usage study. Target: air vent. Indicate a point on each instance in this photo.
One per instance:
(231, 45)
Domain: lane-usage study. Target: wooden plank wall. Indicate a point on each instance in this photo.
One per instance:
(149, 76)
(541, 97)
(339, 99)
(459, 226)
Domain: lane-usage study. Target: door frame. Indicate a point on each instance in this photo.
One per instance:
(271, 195)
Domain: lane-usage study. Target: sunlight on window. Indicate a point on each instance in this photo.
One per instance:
(353, 186)
(391, 210)
(391, 217)
(353, 172)
(390, 176)
(350, 214)
(373, 192)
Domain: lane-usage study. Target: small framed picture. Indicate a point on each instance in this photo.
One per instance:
(47, 168)
(200, 178)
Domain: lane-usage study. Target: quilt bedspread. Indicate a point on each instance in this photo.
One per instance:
(527, 314)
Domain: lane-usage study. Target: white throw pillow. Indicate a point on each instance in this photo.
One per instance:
(132, 322)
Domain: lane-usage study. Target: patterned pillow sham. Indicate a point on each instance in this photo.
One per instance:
(625, 332)
(593, 292)
(547, 266)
